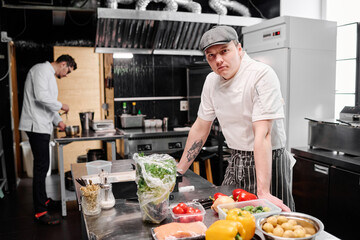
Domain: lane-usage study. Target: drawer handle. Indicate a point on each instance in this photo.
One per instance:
(321, 169)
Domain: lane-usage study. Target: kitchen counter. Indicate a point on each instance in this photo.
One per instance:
(332, 158)
(152, 132)
(124, 220)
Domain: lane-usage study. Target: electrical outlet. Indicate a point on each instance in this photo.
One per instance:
(184, 106)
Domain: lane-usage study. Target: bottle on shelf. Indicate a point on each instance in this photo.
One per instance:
(124, 110)
(133, 109)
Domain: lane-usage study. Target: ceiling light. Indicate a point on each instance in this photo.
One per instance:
(123, 55)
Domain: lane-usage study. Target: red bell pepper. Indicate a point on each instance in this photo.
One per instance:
(240, 195)
(217, 195)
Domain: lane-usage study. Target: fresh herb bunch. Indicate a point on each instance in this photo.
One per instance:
(155, 177)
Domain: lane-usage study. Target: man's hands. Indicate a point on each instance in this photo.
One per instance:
(65, 107)
(62, 126)
(278, 202)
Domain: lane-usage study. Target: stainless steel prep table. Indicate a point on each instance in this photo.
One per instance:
(85, 136)
(124, 220)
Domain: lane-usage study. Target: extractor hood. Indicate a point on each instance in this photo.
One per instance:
(158, 32)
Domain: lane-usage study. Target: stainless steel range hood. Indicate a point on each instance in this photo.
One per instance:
(158, 32)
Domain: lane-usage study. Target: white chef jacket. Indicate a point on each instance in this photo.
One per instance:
(40, 105)
(253, 94)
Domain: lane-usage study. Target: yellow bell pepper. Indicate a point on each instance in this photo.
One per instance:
(225, 230)
(245, 218)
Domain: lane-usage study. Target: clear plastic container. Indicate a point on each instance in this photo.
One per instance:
(255, 203)
(185, 218)
(95, 167)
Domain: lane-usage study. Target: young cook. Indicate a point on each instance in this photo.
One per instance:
(244, 95)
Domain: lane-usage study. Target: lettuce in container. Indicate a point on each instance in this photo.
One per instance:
(155, 178)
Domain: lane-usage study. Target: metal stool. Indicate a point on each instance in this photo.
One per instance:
(204, 156)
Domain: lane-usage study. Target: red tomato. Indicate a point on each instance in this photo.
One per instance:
(199, 217)
(178, 210)
(190, 210)
(186, 219)
(183, 206)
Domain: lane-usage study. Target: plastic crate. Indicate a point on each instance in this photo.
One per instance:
(255, 203)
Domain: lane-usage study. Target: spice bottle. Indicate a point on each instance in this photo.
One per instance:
(133, 109)
(107, 196)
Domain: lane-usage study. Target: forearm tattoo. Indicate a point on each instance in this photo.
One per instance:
(194, 150)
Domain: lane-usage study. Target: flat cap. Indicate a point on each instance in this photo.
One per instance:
(217, 35)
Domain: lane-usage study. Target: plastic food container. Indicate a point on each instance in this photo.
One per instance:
(95, 167)
(185, 218)
(255, 203)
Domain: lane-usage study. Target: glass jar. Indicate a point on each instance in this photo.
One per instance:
(107, 197)
(90, 201)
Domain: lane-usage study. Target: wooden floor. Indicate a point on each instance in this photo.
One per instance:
(17, 215)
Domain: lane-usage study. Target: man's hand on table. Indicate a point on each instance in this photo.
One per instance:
(278, 202)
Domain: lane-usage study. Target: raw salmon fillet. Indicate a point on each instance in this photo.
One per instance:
(180, 230)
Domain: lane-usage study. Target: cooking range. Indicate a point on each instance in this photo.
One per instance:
(151, 140)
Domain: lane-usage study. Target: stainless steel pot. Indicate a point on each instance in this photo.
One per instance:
(72, 130)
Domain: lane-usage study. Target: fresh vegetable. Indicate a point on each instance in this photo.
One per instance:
(183, 206)
(225, 230)
(178, 210)
(190, 214)
(221, 200)
(217, 195)
(258, 209)
(282, 226)
(155, 178)
(242, 195)
(246, 219)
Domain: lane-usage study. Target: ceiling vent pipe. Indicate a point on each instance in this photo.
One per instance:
(171, 5)
(221, 6)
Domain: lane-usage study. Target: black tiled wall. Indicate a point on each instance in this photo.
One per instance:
(153, 76)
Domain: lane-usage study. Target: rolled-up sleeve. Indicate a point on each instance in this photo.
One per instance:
(42, 94)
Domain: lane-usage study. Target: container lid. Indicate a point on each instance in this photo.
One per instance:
(99, 163)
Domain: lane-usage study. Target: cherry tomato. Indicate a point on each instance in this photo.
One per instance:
(190, 210)
(186, 219)
(199, 217)
(178, 210)
(183, 206)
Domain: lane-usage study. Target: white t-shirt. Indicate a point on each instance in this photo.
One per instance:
(253, 94)
(40, 106)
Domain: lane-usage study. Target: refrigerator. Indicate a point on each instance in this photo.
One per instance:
(302, 52)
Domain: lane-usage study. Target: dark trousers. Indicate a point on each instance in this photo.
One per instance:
(39, 143)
